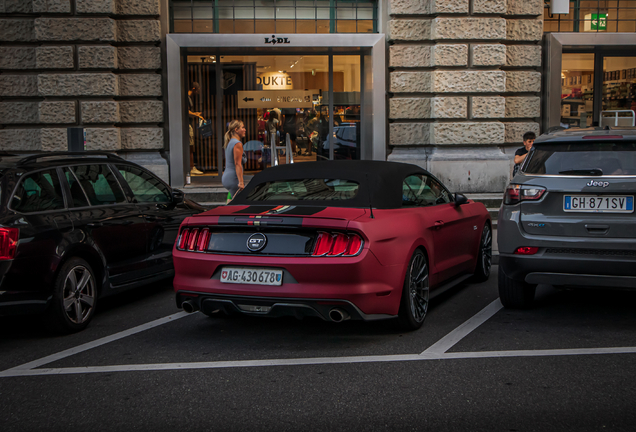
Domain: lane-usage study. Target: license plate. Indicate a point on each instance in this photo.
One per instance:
(252, 276)
(599, 204)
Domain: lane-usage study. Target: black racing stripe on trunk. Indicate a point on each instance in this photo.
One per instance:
(255, 210)
(260, 220)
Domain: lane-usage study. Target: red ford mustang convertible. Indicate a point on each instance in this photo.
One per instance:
(338, 240)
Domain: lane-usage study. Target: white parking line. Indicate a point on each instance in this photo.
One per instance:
(315, 361)
(437, 351)
(99, 342)
(448, 341)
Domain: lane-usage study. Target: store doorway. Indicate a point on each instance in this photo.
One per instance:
(295, 108)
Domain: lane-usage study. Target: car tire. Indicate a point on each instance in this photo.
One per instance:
(74, 297)
(515, 294)
(484, 256)
(415, 293)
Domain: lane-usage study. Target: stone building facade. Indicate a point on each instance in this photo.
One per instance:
(94, 64)
(464, 81)
(465, 85)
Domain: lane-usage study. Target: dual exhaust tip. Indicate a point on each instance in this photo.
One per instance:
(189, 306)
(338, 315)
(335, 314)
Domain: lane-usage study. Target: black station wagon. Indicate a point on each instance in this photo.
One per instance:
(75, 227)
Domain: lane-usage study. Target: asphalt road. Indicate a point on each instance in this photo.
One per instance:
(567, 364)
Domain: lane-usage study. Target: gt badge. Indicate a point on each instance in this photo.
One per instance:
(256, 242)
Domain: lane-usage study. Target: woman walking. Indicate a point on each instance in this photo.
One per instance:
(233, 175)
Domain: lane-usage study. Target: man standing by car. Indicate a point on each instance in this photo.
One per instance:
(521, 153)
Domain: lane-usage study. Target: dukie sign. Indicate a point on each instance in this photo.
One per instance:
(276, 40)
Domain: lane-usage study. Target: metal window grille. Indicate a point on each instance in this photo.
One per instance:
(593, 16)
(273, 16)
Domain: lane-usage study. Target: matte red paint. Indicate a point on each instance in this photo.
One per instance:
(372, 280)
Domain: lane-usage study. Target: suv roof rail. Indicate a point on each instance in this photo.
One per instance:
(33, 158)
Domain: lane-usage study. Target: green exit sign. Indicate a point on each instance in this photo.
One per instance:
(599, 21)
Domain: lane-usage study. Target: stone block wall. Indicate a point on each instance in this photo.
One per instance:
(464, 85)
(89, 63)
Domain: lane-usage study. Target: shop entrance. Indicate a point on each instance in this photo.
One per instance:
(295, 108)
(598, 88)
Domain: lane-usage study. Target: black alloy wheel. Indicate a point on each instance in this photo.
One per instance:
(415, 293)
(74, 297)
(484, 257)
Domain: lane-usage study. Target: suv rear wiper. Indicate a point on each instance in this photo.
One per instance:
(590, 172)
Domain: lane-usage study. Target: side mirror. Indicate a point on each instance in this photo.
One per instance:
(177, 196)
(460, 199)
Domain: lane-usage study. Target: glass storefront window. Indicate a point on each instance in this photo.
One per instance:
(619, 91)
(273, 16)
(597, 16)
(279, 99)
(577, 90)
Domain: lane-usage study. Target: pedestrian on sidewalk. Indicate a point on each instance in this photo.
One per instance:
(233, 174)
(521, 153)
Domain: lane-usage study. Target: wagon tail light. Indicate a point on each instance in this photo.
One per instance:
(337, 244)
(8, 242)
(516, 193)
(193, 239)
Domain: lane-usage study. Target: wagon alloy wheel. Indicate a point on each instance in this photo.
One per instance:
(74, 297)
(484, 257)
(79, 294)
(415, 295)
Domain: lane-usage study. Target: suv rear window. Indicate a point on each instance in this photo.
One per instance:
(305, 190)
(588, 158)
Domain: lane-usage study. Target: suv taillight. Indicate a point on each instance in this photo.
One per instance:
(8, 242)
(337, 244)
(516, 193)
(193, 239)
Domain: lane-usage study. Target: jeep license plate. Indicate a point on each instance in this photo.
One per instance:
(599, 204)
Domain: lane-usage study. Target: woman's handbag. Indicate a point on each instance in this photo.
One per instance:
(205, 128)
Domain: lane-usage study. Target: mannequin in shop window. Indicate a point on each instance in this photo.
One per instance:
(273, 125)
(194, 89)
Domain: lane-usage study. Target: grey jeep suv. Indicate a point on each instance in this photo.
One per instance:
(567, 218)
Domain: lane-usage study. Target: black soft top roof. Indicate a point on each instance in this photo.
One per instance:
(380, 182)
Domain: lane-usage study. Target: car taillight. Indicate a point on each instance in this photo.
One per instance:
(194, 239)
(516, 193)
(324, 241)
(8, 242)
(337, 244)
(204, 238)
(526, 250)
(183, 239)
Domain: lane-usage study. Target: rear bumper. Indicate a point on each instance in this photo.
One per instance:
(593, 271)
(275, 307)
(23, 303)
(360, 281)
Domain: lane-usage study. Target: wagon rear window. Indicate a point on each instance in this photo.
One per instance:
(305, 190)
(593, 158)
